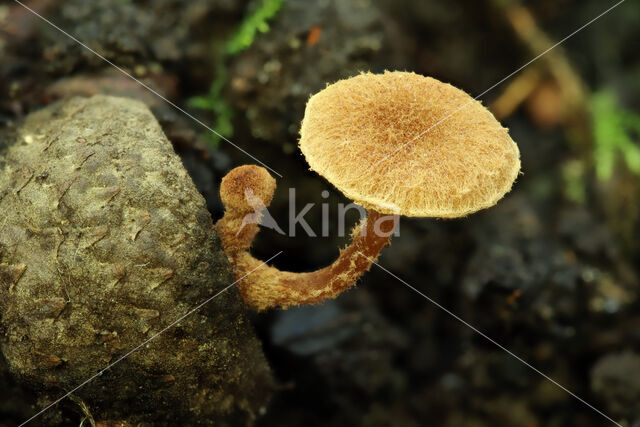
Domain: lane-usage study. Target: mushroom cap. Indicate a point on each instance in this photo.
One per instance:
(402, 143)
(245, 185)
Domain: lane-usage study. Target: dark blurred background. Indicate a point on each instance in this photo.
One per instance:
(551, 272)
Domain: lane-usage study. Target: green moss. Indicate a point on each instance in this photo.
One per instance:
(253, 24)
(616, 133)
(215, 102)
(241, 39)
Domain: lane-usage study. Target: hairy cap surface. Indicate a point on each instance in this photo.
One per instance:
(403, 143)
(242, 185)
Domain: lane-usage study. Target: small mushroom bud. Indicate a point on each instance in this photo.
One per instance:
(245, 192)
(396, 143)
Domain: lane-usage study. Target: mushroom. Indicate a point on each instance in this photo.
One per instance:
(396, 143)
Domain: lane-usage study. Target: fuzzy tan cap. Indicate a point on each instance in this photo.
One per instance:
(242, 184)
(403, 143)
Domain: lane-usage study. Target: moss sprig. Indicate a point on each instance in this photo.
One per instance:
(616, 132)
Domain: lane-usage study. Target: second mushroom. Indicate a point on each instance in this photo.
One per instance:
(396, 143)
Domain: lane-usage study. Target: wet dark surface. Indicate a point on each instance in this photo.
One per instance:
(552, 278)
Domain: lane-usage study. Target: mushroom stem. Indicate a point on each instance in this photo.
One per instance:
(268, 287)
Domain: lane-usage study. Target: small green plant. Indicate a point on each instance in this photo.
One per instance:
(256, 22)
(616, 132)
(214, 101)
(241, 39)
